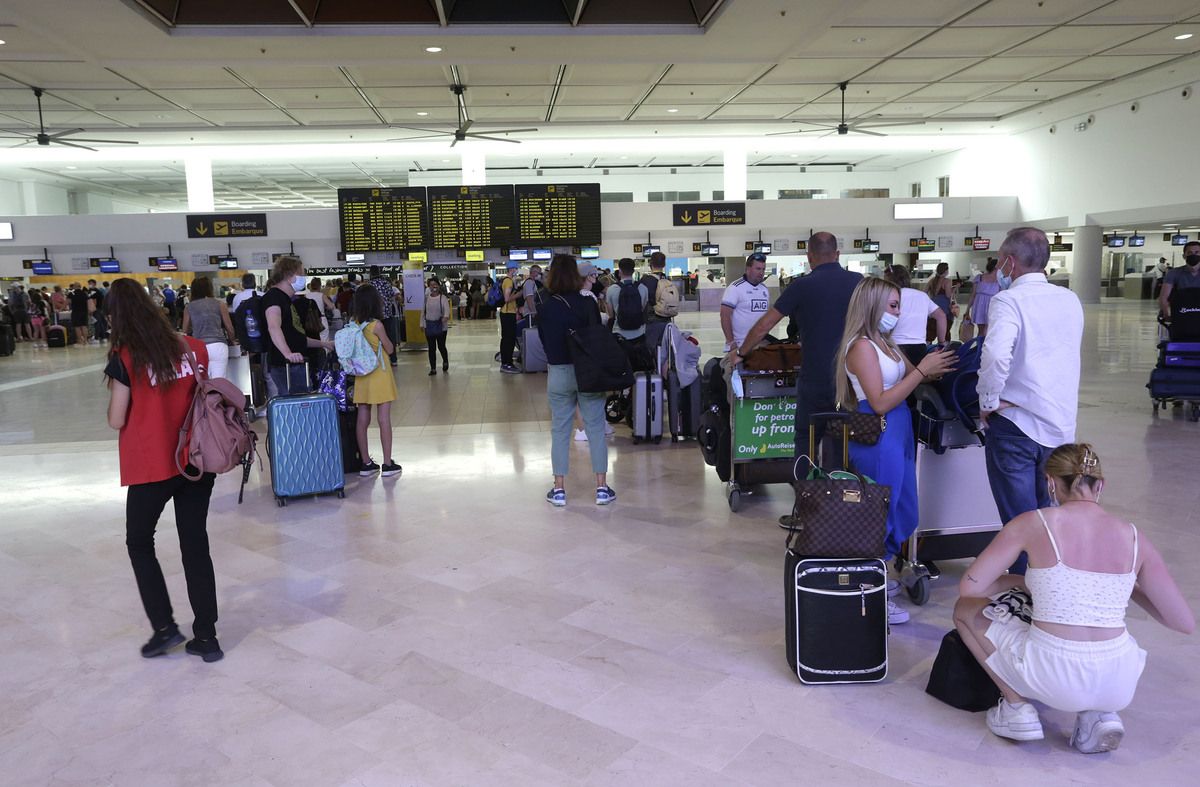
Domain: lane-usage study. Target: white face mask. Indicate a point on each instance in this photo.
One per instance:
(887, 321)
(1004, 281)
(298, 283)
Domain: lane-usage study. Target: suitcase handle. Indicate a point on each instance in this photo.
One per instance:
(826, 417)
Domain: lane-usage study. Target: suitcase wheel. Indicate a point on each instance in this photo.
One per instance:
(735, 500)
(341, 493)
(279, 501)
(1195, 416)
(637, 440)
(919, 591)
(658, 440)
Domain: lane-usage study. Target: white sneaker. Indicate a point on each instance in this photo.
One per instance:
(580, 436)
(1017, 722)
(608, 429)
(893, 588)
(1097, 731)
(896, 615)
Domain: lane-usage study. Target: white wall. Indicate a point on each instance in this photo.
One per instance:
(315, 233)
(1125, 163)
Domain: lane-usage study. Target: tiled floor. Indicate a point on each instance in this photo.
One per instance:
(448, 627)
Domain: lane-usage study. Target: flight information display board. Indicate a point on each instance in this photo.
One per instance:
(471, 217)
(383, 219)
(560, 214)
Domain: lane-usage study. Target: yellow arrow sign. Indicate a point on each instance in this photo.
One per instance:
(202, 228)
(686, 217)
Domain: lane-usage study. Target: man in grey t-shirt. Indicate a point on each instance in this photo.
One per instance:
(612, 298)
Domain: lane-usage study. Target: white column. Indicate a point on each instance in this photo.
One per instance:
(199, 183)
(474, 166)
(735, 173)
(1086, 252)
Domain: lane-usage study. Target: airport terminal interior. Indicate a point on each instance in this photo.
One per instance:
(445, 626)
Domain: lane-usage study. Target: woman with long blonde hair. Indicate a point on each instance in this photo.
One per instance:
(873, 376)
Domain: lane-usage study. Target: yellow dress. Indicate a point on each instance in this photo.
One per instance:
(378, 387)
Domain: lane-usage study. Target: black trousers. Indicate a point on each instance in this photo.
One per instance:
(815, 397)
(144, 505)
(390, 327)
(436, 343)
(508, 337)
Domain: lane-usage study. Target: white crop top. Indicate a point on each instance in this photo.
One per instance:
(891, 370)
(1075, 597)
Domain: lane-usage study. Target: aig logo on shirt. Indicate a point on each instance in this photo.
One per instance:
(759, 304)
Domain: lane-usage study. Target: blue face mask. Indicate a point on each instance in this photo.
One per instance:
(887, 321)
(1004, 281)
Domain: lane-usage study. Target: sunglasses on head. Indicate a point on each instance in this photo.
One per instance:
(757, 256)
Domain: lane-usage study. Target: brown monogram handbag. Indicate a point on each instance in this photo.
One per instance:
(863, 428)
(843, 515)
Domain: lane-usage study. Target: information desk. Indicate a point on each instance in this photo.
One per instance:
(382, 219)
(471, 217)
(558, 214)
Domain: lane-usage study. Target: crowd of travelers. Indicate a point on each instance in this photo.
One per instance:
(866, 349)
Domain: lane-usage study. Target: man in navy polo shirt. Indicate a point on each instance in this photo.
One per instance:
(818, 303)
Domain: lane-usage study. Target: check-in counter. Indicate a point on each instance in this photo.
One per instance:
(1138, 286)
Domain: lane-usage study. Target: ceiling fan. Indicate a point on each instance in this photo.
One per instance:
(843, 128)
(462, 132)
(57, 138)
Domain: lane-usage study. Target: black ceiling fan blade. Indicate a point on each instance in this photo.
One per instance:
(816, 130)
(73, 145)
(104, 141)
(455, 142)
(422, 136)
(21, 145)
(868, 133)
(425, 129)
(493, 139)
(512, 130)
(58, 134)
(887, 125)
(18, 136)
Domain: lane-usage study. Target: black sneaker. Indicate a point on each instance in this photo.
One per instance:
(432, 372)
(509, 369)
(390, 469)
(207, 649)
(161, 642)
(445, 367)
(368, 468)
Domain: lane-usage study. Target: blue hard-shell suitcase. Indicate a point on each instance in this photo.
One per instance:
(305, 446)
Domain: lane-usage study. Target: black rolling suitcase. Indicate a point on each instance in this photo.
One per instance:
(837, 607)
(837, 625)
(347, 426)
(8, 341)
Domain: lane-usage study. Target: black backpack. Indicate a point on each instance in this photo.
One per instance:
(249, 324)
(631, 313)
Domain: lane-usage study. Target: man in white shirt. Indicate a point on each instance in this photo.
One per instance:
(744, 301)
(1029, 375)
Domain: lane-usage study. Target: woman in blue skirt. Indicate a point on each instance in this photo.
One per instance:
(877, 379)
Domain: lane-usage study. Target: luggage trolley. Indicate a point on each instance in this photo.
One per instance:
(957, 514)
(762, 427)
(1176, 376)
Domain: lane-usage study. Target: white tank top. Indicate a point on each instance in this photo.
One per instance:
(891, 370)
(1075, 597)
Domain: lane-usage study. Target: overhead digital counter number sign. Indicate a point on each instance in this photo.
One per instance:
(471, 217)
(382, 219)
(707, 214)
(558, 214)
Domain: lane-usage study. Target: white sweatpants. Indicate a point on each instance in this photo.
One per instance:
(218, 359)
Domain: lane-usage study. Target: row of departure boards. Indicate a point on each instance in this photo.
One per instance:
(469, 217)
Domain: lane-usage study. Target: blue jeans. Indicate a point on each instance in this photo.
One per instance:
(564, 394)
(892, 462)
(1015, 464)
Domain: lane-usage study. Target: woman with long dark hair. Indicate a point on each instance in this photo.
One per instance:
(151, 383)
(564, 309)
(436, 316)
(377, 388)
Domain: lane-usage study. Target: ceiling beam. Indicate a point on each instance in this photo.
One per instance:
(300, 13)
(558, 80)
(262, 95)
(575, 13)
(370, 104)
(159, 96)
(150, 11)
(649, 90)
(712, 11)
(440, 7)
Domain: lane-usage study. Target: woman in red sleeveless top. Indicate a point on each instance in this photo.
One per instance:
(151, 384)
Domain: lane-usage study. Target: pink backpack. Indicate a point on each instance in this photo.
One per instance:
(215, 436)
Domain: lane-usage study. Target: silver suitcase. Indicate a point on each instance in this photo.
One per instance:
(646, 412)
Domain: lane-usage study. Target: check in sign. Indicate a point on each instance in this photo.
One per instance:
(764, 428)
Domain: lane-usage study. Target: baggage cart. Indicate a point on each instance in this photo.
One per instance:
(762, 425)
(956, 510)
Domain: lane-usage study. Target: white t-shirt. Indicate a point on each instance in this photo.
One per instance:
(241, 296)
(915, 310)
(749, 302)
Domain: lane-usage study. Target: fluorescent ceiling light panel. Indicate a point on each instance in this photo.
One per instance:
(6, 231)
(918, 210)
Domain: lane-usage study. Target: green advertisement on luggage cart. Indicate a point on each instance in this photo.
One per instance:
(764, 428)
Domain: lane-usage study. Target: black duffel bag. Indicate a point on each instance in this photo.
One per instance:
(601, 364)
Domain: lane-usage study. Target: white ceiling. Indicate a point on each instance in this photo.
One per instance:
(952, 66)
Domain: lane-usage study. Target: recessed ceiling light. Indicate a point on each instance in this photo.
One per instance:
(433, 50)
(672, 109)
(423, 114)
(1183, 36)
(70, 167)
(445, 161)
(859, 40)
(2, 43)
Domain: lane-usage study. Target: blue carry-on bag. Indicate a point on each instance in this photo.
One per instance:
(305, 446)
